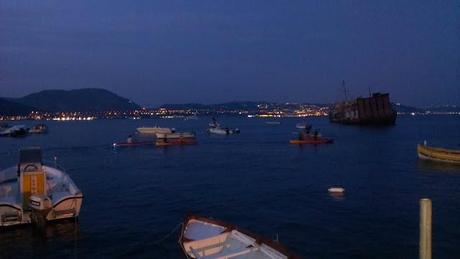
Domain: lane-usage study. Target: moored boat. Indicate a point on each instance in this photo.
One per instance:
(311, 141)
(14, 131)
(301, 125)
(38, 129)
(154, 130)
(32, 192)
(373, 110)
(175, 142)
(175, 135)
(308, 137)
(215, 128)
(133, 143)
(203, 237)
(223, 131)
(438, 154)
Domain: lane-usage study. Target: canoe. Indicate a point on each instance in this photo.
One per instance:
(203, 237)
(175, 142)
(438, 154)
(133, 144)
(311, 141)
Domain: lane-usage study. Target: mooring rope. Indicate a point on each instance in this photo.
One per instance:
(168, 235)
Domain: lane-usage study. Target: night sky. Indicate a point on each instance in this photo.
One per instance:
(212, 51)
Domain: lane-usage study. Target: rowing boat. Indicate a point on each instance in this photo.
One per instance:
(438, 154)
(203, 237)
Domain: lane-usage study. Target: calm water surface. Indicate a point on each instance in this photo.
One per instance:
(136, 196)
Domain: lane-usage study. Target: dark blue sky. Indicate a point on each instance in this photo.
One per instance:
(210, 51)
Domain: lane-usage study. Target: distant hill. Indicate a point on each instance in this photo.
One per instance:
(80, 100)
(405, 109)
(220, 106)
(238, 105)
(185, 106)
(8, 107)
(444, 108)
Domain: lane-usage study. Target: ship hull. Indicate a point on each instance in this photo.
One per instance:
(374, 110)
(386, 121)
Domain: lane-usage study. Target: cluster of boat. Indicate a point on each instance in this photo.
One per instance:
(33, 192)
(169, 136)
(21, 130)
(162, 137)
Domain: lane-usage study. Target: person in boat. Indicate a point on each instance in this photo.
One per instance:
(214, 122)
(315, 134)
(129, 139)
(305, 132)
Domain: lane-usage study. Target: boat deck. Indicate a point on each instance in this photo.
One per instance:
(209, 240)
(66, 198)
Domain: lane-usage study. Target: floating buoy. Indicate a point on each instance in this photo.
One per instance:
(336, 189)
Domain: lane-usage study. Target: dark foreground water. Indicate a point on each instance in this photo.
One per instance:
(136, 196)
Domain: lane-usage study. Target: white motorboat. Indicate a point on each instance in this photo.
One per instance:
(175, 135)
(211, 239)
(15, 131)
(302, 125)
(223, 131)
(215, 128)
(38, 129)
(35, 193)
(155, 130)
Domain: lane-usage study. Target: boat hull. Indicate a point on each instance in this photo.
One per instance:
(374, 110)
(221, 131)
(438, 154)
(133, 144)
(177, 135)
(68, 207)
(175, 142)
(11, 215)
(154, 130)
(59, 198)
(311, 141)
(210, 238)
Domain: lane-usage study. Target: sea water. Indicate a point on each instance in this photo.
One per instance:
(134, 198)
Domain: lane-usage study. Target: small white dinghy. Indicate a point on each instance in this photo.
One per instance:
(336, 190)
(212, 239)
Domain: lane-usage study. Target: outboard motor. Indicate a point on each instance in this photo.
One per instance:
(40, 206)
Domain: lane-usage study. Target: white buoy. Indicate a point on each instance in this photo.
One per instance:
(336, 189)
